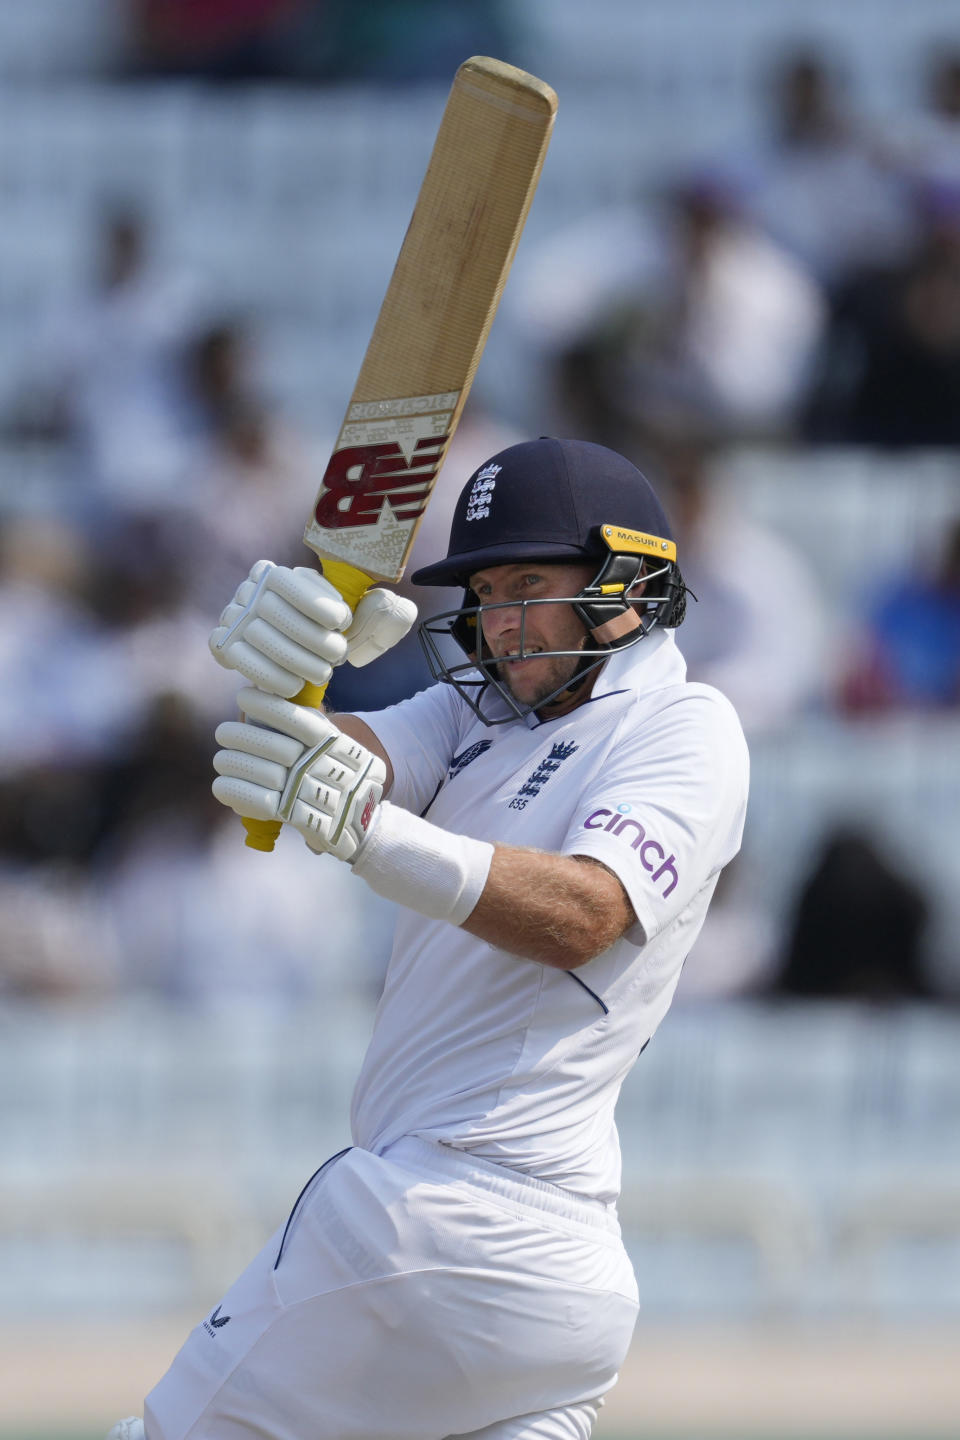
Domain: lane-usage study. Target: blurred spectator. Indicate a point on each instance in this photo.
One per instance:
(395, 40)
(251, 477)
(61, 695)
(313, 40)
(53, 940)
(858, 927)
(116, 868)
(252, 495)
(759, 632)
(205, 921)
(218, 365)
(108, 376)
(889, 372)
(79, 810)
(712, 325)
(160, 779)
(909, 653)
(927, 146)
(197, 916)
(819, 184)
(151, 630)
(90, 644)
(125, 873)
(209, 39)
(80, 746)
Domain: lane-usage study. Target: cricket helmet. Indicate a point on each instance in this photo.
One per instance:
(555, 500)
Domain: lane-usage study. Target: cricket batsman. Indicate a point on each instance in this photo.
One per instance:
(551, 818)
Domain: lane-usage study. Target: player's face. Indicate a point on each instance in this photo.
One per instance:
(539, 627)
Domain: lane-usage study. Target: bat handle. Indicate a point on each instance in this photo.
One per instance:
(353, 585)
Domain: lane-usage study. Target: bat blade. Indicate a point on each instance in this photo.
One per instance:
(435, 317)
(430, 333)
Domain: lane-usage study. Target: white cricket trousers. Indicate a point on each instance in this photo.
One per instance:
(415, 1295)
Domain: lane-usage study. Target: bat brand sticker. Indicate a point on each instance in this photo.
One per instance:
(361, 479)
(618, 823)
(379, 479)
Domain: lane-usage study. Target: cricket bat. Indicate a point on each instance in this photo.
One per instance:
(429, 335)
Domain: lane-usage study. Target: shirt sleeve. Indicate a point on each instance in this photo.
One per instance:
(665, 810)
(420, 736)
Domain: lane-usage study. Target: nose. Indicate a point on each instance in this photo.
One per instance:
(504, 620)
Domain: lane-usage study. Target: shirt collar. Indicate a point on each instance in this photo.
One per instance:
(652, 664)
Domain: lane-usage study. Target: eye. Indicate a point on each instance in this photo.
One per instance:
(531, 580)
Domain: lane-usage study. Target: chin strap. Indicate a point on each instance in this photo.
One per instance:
(604, 605)
(613, 632)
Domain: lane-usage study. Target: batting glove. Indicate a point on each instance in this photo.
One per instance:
(286, 626)
(379, 621)
(302, 770)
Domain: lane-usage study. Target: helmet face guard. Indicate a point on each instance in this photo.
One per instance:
(553, 501)
(629, 595)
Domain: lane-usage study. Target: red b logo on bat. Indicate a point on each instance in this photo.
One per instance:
(360, 478)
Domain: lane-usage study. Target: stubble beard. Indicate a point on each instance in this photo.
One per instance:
(561, 672)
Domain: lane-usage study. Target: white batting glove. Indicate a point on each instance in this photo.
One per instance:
(284, 626)
(302, 770)
(379, 621)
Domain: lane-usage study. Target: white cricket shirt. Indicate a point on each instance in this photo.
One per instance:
(502, 1057)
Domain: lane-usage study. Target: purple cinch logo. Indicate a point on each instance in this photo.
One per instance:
(619, 823)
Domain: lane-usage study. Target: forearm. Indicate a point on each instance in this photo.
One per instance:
(560, 910)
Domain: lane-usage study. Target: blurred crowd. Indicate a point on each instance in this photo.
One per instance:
(806, 287)
(310, 41)
(800, 293)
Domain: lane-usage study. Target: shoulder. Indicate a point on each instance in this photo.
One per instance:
(704, 704)
(689, 705)
(436, 700)
(689, 729)
(433, 723)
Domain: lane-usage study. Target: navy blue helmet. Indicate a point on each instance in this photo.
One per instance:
(555, 500)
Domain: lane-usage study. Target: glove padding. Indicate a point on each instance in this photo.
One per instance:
(287, 626)
(381, 619)
(302, 770)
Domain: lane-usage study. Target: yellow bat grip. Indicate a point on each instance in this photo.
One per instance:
(353, 585)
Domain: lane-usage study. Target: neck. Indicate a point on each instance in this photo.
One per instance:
(577, 693)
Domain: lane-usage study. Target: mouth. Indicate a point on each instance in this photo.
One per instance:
(513, 658)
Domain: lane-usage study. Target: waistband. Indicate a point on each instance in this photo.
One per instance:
(447, 1163)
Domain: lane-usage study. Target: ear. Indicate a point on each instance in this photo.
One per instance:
(606, 609)
(466, 630)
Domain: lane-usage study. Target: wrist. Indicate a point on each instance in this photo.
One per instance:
(414, 863)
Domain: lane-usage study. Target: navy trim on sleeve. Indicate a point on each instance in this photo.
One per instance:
(585, 986)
